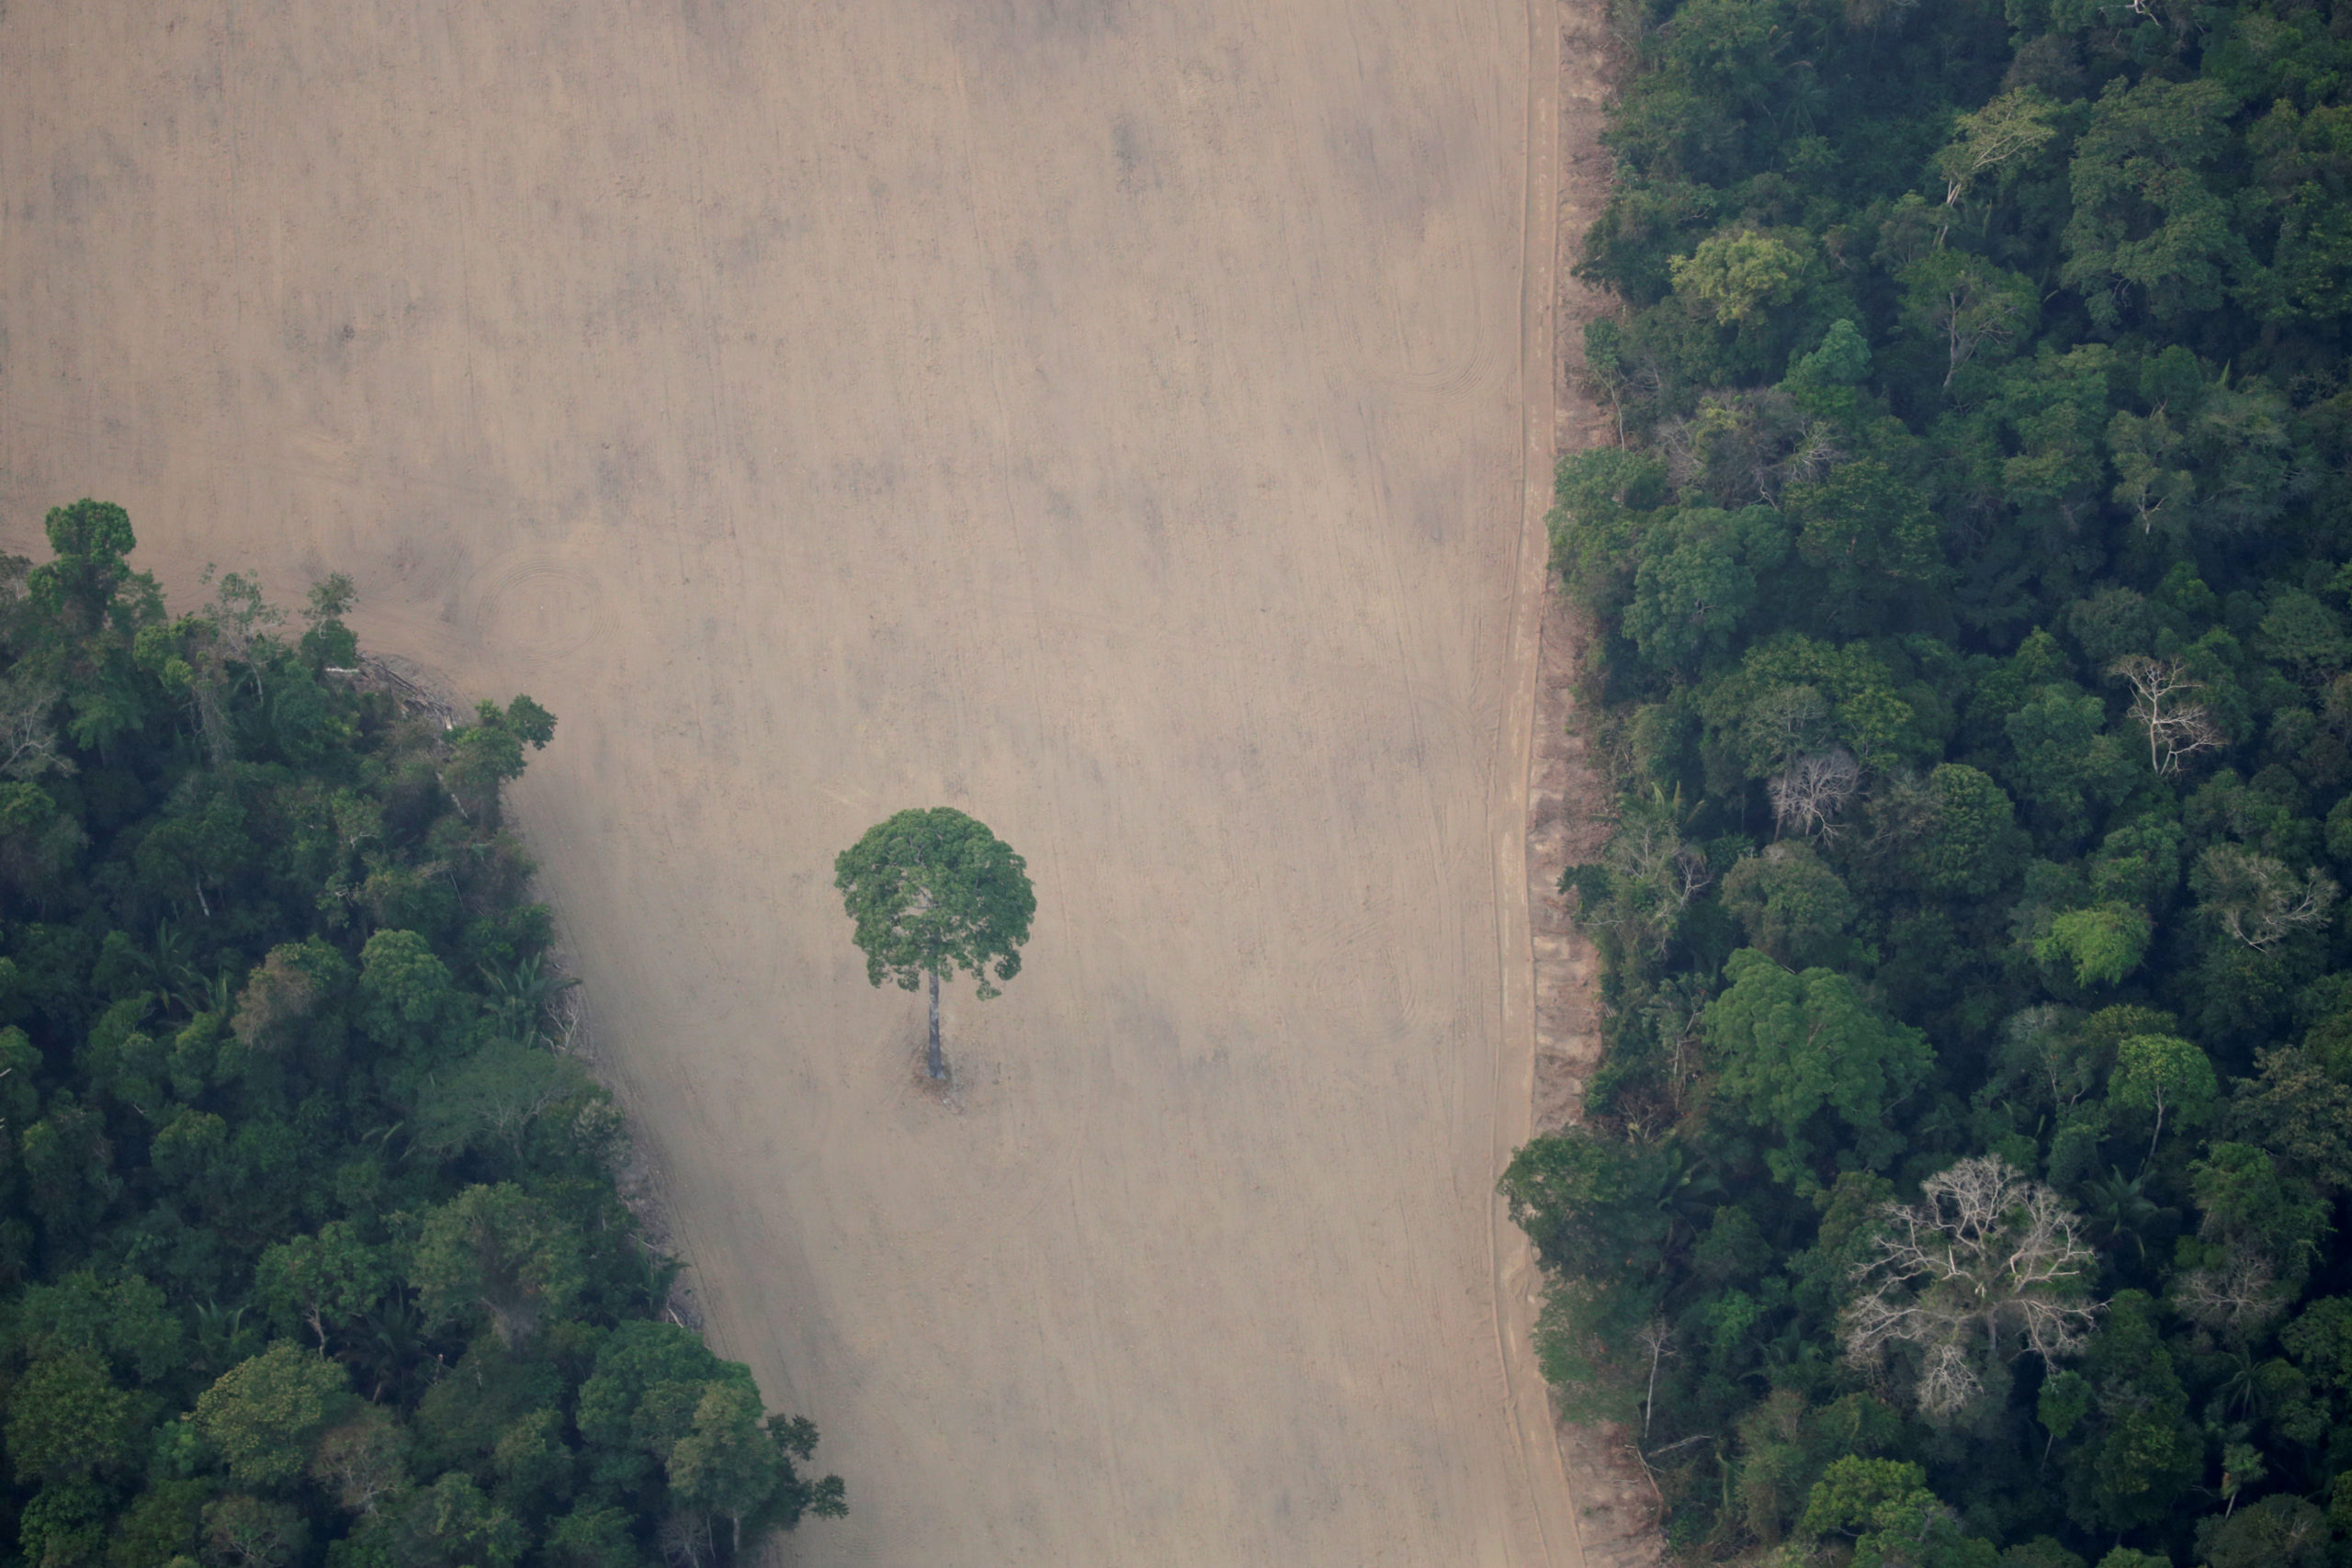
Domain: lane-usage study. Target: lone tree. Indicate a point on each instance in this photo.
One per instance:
(934, 892)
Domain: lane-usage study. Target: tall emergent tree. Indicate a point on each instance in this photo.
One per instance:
(934, 892)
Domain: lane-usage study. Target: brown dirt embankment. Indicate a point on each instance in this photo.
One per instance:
(1567, 792)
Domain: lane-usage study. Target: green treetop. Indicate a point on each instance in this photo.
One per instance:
(934, 893)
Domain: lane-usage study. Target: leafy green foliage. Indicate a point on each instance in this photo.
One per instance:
(934, 892)
(1732, 278)
(1804, 1058)
(1885, 1507)
(260, 1415)
(502, 1251)
(1700, 570)
(1972, 578)
(310, 1248)
(1792, 905)
(67, 1419)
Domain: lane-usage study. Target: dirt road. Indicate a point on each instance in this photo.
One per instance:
(1119, 420)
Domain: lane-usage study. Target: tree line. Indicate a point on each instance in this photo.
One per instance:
(1963, 1179)
(311, 1251)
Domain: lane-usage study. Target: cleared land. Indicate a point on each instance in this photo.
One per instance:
(1114, 420)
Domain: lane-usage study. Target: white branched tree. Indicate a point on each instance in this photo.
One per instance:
(2163, 704)
(1661, 874)
(28, 738)
(1651, 876)
(2237, 1298)
(1987, 1265)
(2256, 900)
(1811, 790)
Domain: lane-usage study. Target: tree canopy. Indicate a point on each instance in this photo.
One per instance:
(933, 894)
(1970, 573)
(311, 1251)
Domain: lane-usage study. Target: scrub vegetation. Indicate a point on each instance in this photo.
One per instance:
(1965, 1180)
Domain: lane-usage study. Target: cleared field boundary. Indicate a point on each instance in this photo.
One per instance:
(1616, 1504)
(1517, 1283)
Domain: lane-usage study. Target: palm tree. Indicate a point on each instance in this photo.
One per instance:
(524, 997)
(2117, 1207)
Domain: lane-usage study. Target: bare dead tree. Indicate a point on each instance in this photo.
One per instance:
(1692, 875)
(1654, 875)
(2180, 20)
(687, 1541)
(1656, 1336)
(1987, 1265)
(2256, 900)
(1676, 1011)
(2238, 1298)
(1671, 874)
(2162, 704)
(26, 735)
(1816, 452)
(1811, 790)
(1738, 447)
(378, 674)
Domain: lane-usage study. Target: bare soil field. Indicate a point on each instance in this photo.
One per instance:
(1129, 424)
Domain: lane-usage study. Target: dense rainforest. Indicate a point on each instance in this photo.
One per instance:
(311, 1250)
(1965, 1180)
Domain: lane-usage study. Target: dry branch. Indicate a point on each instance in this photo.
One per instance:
(1987, 1264)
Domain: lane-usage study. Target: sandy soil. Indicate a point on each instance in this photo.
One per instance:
(1127, 423)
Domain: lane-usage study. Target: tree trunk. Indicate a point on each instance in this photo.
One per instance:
(938, 1067)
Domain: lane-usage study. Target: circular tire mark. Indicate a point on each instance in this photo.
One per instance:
(528, 605)
(1453, 362)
